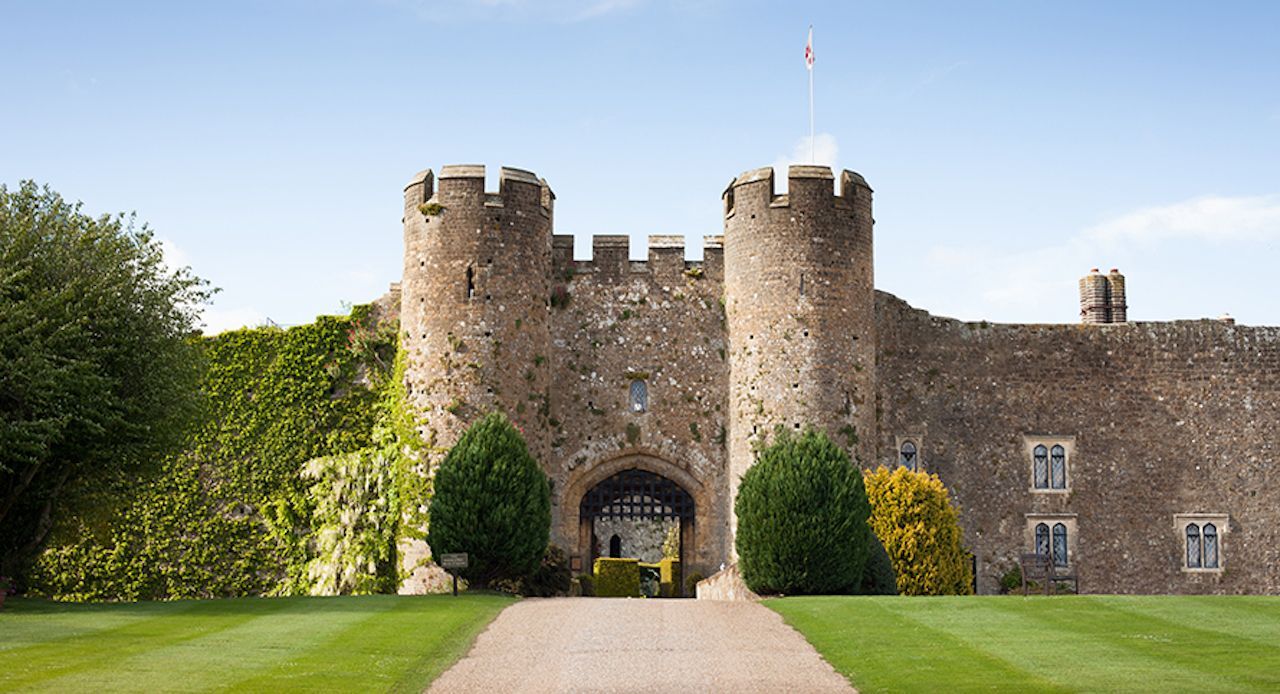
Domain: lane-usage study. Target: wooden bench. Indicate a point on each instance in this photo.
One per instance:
(1040, 568)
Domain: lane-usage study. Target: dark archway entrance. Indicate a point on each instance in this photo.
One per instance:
(625, 508)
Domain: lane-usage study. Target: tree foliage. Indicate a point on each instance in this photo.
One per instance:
(878, 577)
(912, 514)
(492, 501)
(802, 518)
(98, 369)
(232, 513)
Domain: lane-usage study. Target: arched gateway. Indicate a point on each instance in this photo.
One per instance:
(637, 513)
(630, 506)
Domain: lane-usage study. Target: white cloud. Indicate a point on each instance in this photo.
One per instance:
(1210, 218)
(174, 257)
(824, 152)
(217, 320)
(1038, 284)
(1021, 284)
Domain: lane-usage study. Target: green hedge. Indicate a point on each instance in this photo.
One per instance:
(669, 583)
(617, 578)
(234, 513)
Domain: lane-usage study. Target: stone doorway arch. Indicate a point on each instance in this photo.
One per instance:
(642, 485)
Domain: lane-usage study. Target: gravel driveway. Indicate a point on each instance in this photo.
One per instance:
(621, 645)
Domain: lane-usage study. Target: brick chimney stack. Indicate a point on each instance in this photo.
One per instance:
(1102, 298)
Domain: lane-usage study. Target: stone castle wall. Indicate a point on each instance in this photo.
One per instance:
(475, 311)
(780, 325)
(659, 321)
(799, 307)
(1159, 419)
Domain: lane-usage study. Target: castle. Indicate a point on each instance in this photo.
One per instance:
(1142, 455)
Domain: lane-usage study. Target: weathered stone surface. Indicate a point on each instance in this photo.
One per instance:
(1165, 418)
(780, 325)
(725, 584)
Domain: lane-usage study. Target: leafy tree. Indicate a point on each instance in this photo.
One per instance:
(912, 514)
(802, 518)
(97, 372)
(491, 501)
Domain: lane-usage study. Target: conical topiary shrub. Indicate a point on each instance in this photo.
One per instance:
(493, 502)
(802, 518)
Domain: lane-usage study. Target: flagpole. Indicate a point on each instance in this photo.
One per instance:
(812, 158)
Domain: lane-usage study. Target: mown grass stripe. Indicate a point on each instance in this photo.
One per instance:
(1252, 617)
(370, 643)
(1081, 645)
(211, 660)
(883, 650)
(380, 656)
(1087, 643)
(41, 623)
(101, 651)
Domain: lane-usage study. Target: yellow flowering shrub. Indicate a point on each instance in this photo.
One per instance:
(912, 514)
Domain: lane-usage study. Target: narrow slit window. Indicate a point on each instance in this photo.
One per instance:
(1041, 464)
(1058, 468)
(639, 396)
(1059, 544)
(471, 282)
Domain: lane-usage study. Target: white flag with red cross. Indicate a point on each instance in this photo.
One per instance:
(808, 51)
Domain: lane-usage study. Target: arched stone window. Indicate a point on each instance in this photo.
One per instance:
(639, 395)
(1041, 464)
(615, 547)
(1193, 546)
(1059, 544)
(1042, 539)
(1058, 467)
(907, 456)
(1209, 542)
(1202, 536)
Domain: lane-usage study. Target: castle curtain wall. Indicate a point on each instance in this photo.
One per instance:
(1162, 419)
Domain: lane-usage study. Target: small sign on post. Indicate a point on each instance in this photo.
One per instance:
(452, 562)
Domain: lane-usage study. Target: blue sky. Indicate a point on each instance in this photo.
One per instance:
(1012, 145)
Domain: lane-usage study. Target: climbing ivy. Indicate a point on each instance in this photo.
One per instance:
(303, 456)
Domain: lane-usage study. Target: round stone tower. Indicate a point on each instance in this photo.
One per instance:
(475, 302)
(800, 311)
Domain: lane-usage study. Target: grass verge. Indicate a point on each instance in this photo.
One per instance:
(1066, 643)
(366, 643)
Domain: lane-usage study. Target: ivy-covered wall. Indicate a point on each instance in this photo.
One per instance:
(293, 481)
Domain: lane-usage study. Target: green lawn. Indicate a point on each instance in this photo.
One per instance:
(370, 643)
(1064, 643)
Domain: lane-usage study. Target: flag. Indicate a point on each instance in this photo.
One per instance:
(808, 51)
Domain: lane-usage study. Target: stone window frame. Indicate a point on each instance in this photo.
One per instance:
(1029, 443)
(638, 405)
(916, 440)
(1068, 520)
(1221, 523)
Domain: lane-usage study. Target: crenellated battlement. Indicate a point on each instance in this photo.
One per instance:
(616, 369)
(610, 258)
(807, 186)
(463, 184)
